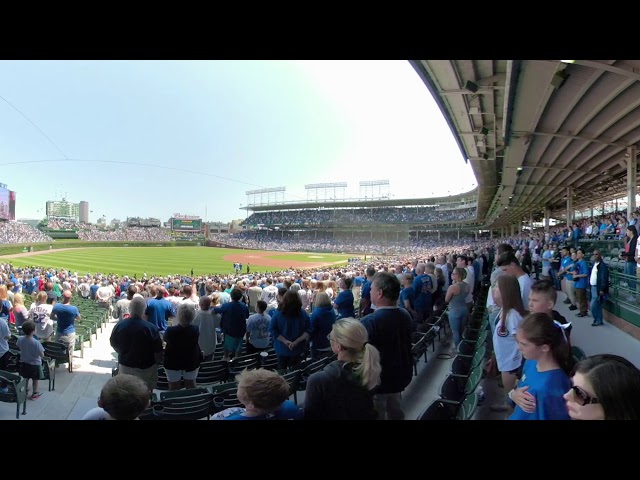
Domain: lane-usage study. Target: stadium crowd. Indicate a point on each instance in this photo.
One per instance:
(17, 232)
(324, 242)
(360, 216)
(310, 312)
(126, 234)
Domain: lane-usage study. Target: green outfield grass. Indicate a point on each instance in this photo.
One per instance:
(160, 260)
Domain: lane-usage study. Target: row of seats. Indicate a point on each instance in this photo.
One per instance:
(457, 398)
(215, 391)
(93, 319)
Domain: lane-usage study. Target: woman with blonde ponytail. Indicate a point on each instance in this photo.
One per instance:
(344, 389)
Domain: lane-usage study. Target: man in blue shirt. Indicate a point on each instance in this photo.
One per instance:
(580, 275)
(159, 309)
(66, 330)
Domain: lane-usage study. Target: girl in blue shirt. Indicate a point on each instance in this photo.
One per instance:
(545, 377)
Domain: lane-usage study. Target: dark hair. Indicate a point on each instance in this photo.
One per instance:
(291, 304)
(507, 258)
(29, 327)
(236, 295)
(131, 291)
(545, 287)
(388, 284)
(504, 247)
(540, 329)
(616, 384)
(205, 303)
(348, 281)
(261, 306)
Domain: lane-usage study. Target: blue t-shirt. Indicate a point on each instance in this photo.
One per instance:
(581, 269)
(158, 311)
(344, 301)
(406, 294)
(66, 315)
(548, 389)
(290, 328)
(564, 263)
(287, 411)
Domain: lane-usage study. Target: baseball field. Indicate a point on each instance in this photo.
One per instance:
(170, 260)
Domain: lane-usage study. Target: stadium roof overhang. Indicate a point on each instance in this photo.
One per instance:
(533, 128)
(361, 203)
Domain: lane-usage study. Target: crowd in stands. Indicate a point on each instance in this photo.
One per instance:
(315, 312)
(94, 233)
(64, 224)
(607, 226)
(325, 242)
(131, 234)
(17, 232)
(360, 216)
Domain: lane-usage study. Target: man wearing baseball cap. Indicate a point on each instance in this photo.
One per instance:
(66, 315)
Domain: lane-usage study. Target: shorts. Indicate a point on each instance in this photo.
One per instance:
(33, 372)
(232, 344)
(175, 375)
(148, 375)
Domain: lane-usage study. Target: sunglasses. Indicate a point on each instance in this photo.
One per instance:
(583, 397)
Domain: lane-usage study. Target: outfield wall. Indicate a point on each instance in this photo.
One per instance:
(10, 249)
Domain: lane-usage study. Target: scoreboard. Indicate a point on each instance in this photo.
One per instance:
(181, 225)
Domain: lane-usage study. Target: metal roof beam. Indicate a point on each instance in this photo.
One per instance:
(567, 135)
(462, 91)
(629, 72)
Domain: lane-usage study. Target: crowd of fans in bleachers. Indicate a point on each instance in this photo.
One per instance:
(360, 216)
(131, 234)
(95, 233)
(17, 232)
(271, 295)
(325, 242)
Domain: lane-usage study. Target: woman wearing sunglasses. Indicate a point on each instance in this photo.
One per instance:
(605, 387)
(545, 377)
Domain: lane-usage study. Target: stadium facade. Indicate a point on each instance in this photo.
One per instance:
(383, 219)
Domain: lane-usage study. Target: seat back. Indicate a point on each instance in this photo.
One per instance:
(226, 399)
(468, 407)
(293, 379)
(190, 407)
(578, 354)
(188, 392)
(474, 380)
(56, 350)
(212, 372)
(440, 410)
(478, 357)
(239, 364)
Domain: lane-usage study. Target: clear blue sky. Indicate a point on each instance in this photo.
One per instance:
(233, 125)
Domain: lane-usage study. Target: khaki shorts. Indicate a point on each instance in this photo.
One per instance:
(148, 375)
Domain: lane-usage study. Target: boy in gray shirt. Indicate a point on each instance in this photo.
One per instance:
(31, 353)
